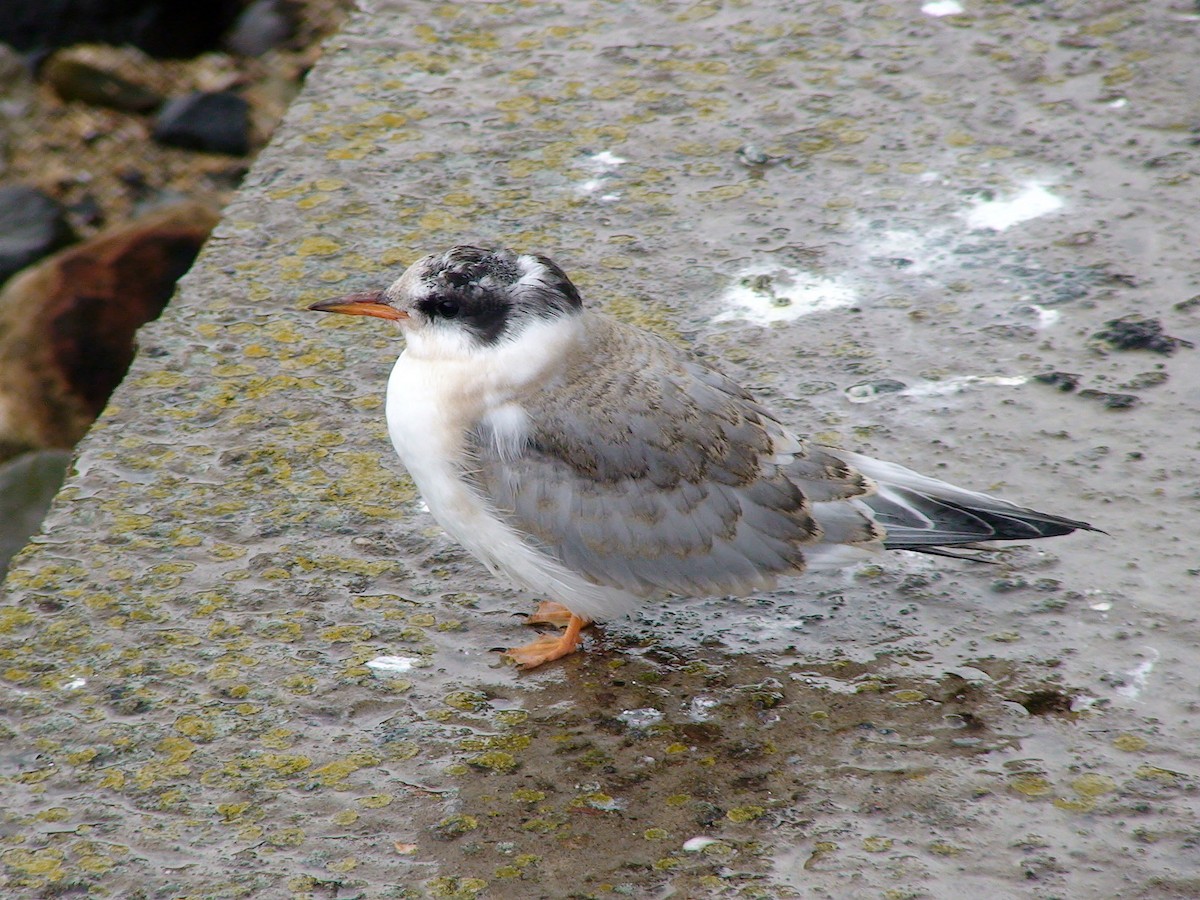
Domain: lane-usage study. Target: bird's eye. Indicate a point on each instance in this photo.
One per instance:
(447, 309)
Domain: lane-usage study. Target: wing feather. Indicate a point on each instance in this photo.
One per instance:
(661, 475)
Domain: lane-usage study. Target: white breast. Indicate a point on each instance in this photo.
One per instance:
(441, 388)
(433, 401)
(428, 421)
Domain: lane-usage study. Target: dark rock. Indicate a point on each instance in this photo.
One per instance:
(1169, 160)
(1046, 702)
(73, 79)
(27, 485)
(263, 25)
(1064, 381)
(16, 87)
(32, 225)
(1112, 401)
(1136, 332)
(1012, 332)
(216, 122)
(67, 325)
(1144, 380)
(88, 211)
(135, 180)
(165, 28)
(868, 390)
(753, 157)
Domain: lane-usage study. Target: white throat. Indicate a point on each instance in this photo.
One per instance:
(440, 389)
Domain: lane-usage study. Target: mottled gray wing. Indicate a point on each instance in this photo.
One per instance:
(658, 474)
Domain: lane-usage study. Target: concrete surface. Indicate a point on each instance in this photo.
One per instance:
(187, 707)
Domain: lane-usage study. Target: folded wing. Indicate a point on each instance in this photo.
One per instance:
(665, 476)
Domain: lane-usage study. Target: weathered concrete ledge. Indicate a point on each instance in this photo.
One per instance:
(186, 708)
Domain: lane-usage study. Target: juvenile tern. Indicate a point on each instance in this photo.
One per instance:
(600, 466)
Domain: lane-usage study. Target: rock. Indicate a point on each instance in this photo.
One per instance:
(16, 84)
(27, 485)
(32, 225)
(1111, 400)
(67, 325)
(1011, 332)
(74, 79)
(217, 122)
(88, 211)
(1134, 332)
(262, 25)
(16, 93)
(1064, 381)
(869, 390)
(1144, 380)
(164, 28)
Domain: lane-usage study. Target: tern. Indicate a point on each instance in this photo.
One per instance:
(602, 467)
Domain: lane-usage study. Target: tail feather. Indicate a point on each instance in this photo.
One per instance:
(923, 513)
(922, 519)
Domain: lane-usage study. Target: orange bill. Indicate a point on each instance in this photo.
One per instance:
(364, 303)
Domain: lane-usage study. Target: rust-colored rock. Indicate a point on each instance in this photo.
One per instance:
(67, 325)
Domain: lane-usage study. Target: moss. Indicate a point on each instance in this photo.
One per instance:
(342, 634)
(455, 826)
(494, 761)
(318, 245)
(1130, 743)
(454, 887)
(466, 701)
(285, 837)
(233, 811)
(12, 618)
(285, 763)
(401, 750)
(528, 795)
(745, 813)
(376, 801)
(339, 770)
(1031, 785)
(540, 826)
(1092, 785)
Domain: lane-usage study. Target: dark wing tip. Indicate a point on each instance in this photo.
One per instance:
(916, 520)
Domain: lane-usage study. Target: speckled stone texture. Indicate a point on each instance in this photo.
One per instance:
(186, 705)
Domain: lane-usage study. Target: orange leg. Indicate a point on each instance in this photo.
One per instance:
(550, 613)
(545, 649)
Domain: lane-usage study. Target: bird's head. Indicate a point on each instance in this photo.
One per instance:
(466, 299)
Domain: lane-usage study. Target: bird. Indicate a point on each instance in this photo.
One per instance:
(601, 467)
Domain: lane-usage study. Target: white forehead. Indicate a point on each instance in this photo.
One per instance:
(413, 283)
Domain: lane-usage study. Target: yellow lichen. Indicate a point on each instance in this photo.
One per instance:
(1030, 785)
(1130, 743)
(744, 813)
(1092, 785)
(376, 801)
(318, 245)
